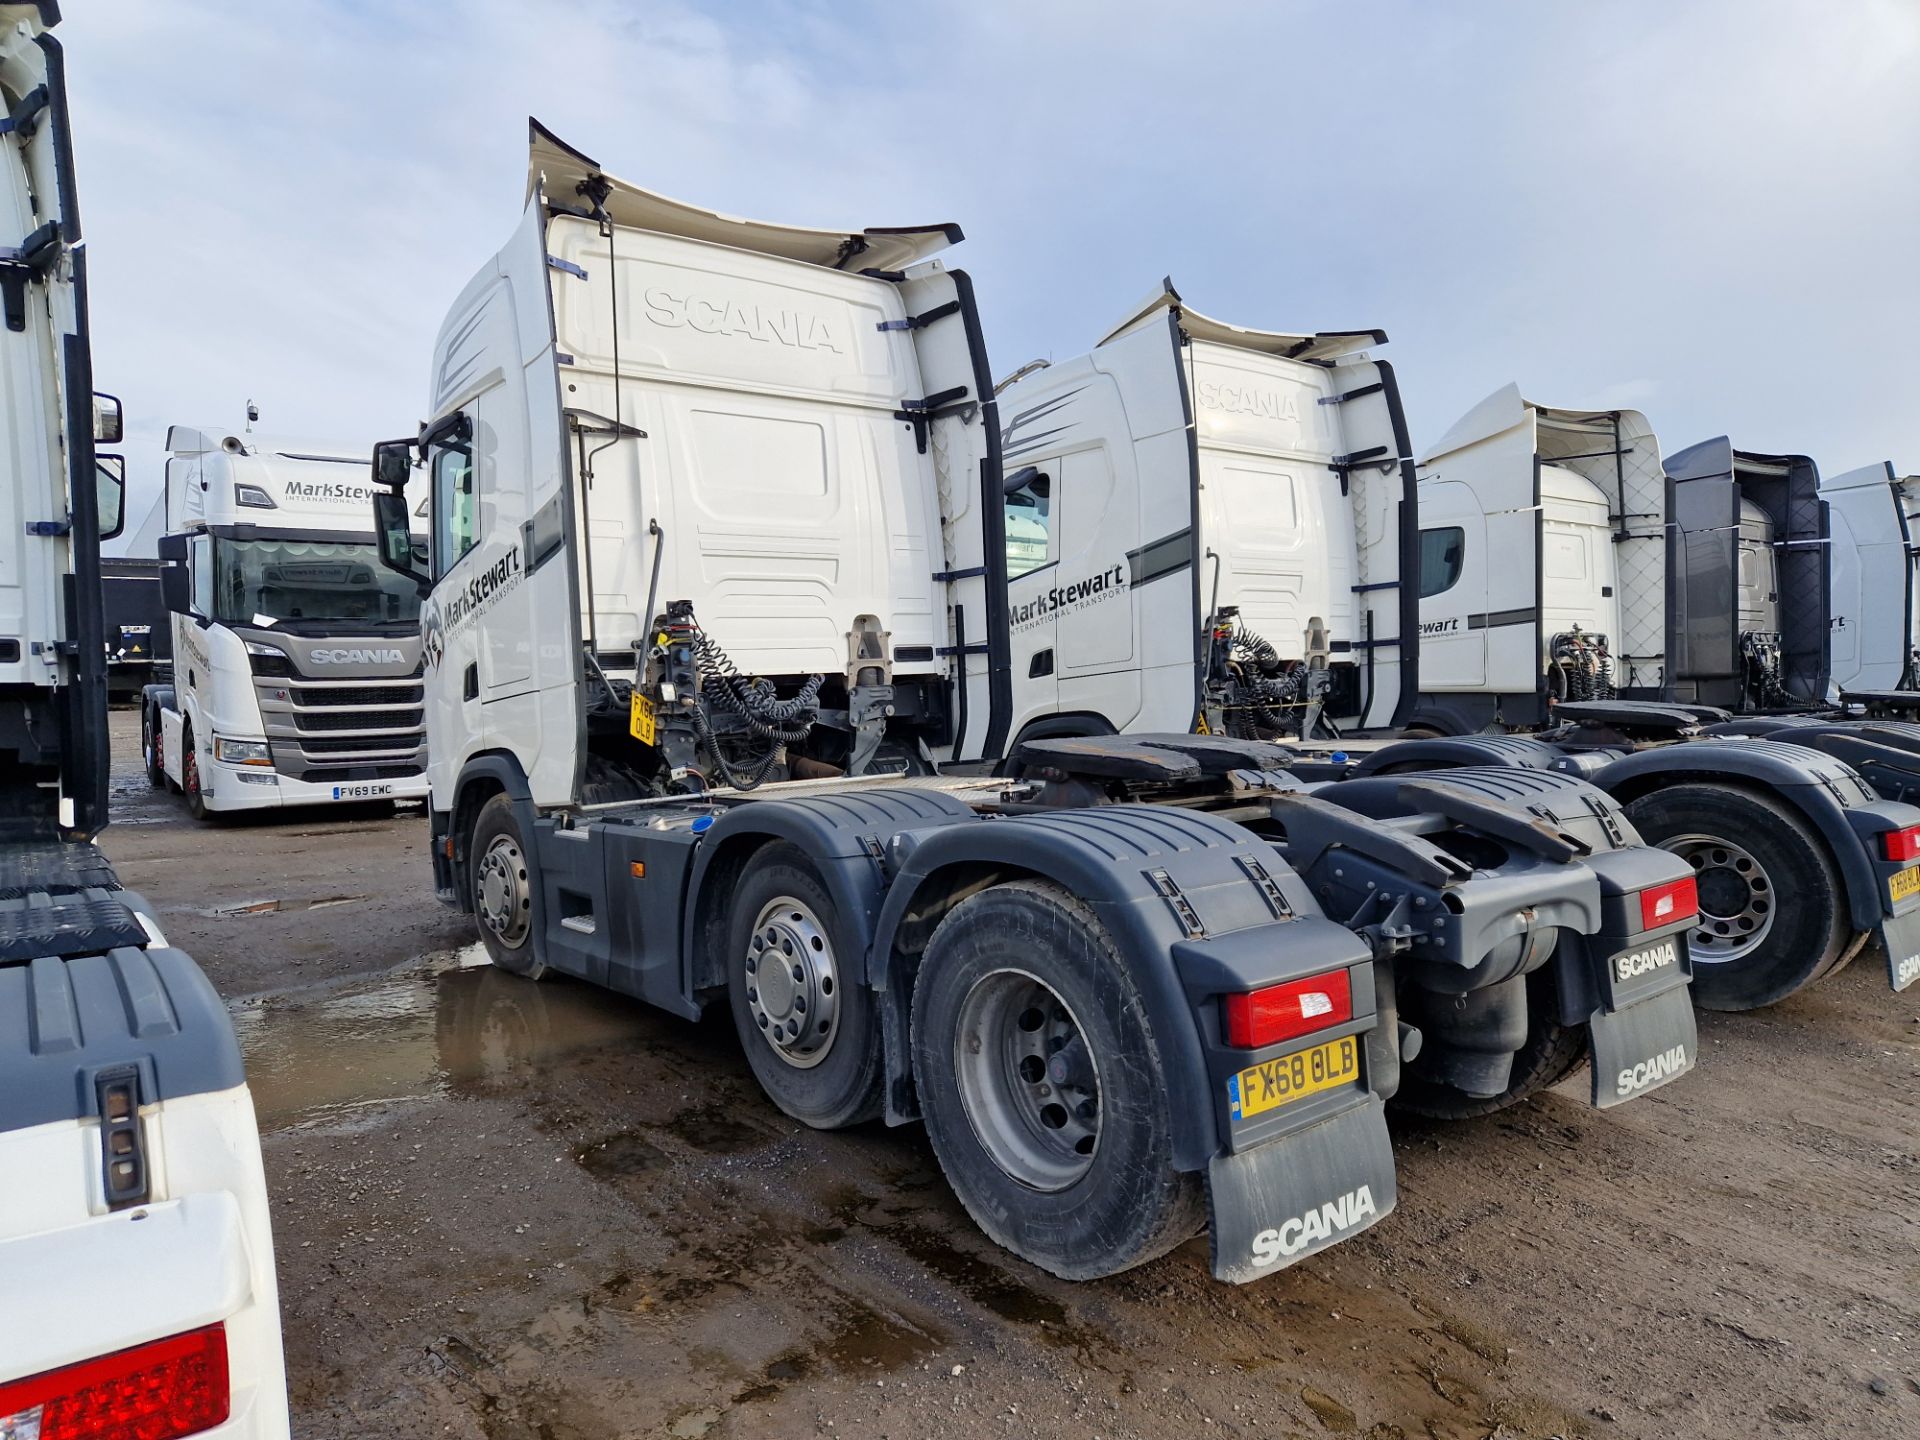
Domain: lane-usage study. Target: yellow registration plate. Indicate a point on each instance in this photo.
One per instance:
(640, 718)
(1293, 1077)
(1903, 883)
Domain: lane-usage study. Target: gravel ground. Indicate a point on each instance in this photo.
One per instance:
(511, 1210)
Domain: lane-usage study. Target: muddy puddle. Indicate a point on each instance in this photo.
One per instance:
(454, 1024)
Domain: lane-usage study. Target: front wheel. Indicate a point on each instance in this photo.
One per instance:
(190, 787)
(502, 884)
(150, 753)
(1773, 916)
(1043, 1088)
(805, 1020)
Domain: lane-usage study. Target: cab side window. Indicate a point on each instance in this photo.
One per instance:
(1030, 525)
(1442, 552)
(456, 510)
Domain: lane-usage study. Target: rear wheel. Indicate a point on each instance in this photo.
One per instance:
(1552, 1052)
(502, 886)
(1042, 1085)
(150, 754)
(804, 1018)
(1772, 912)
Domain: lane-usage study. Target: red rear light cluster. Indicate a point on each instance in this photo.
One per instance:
(1902, 847)
(1668, 904)
(1284, 1012)
(169, 1388)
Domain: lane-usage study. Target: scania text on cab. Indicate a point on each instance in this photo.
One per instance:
(296, 673)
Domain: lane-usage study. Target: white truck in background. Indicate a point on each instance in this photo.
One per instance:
(137, 1283)
(296, 654)
(1587, 602)
(1218, 519)
(1874, 637)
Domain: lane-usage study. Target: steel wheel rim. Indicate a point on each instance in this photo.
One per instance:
(502, 896)
(189, 770)
(793, 982)
(1737, 902)
(1028, 1080)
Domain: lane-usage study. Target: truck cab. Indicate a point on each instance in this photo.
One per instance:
(1225, 515)
(1873, 635)
(296, 678)
(1542, 556)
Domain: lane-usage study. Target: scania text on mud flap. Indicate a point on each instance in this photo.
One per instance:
(298, 655)
(137, 1283)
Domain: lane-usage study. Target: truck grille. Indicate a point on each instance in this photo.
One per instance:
(333, 730)
(357, 720)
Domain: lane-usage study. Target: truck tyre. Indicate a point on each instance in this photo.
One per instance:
(150, 742)
(1845, 957)
(190, 777)
(806, 1021)
(1043, 1088)
(1552, 1052)
(502, 882)
(1773, 915)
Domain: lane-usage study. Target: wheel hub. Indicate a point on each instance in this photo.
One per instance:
(792, 982)
(502, 895)
(1028, 1080)
(1736, 898)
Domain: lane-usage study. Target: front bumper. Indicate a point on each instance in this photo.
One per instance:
(252, 787)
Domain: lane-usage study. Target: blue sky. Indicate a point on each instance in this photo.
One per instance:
(1704, 210)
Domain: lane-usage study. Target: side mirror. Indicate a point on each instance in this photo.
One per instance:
(392, 463)
(176, 586)
(110, 494)
(107, 423)
(393, 533)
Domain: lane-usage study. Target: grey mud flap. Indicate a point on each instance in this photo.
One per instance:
(1901, 936)
(1642, 1047)
(1284, 1200)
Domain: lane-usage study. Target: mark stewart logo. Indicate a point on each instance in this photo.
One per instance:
(1107, 583)
(343, 490)
(1331, 1219)
(1640, 962)
(445, 616)
(1647, 1073)
(1440, 627)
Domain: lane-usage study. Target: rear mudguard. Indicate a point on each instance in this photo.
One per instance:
(1198, 908)
(1568, 842)
(1828, 793)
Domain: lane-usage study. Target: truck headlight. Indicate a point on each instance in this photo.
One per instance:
(255, 648)
(242, 752)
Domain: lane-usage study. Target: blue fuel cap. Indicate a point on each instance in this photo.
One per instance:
(702, 824)
(1339, 757)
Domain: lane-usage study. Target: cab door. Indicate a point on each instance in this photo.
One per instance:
(1453, 588)
(1095, 614)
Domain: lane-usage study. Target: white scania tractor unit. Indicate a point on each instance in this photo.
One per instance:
(1874, 636)
(137, 1290)
(720, 547)
(1585, 606)
(1220, 518)
(296, 673)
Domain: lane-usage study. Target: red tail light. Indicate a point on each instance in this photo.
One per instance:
(159, 1391)
(1902, 846)
(1667, 904)
(1282, 1012)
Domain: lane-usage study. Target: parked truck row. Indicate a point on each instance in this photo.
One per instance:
(775, 658)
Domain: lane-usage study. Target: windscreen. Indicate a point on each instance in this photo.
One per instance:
(311, 581)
